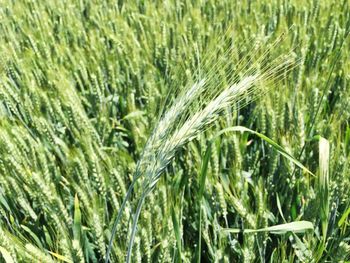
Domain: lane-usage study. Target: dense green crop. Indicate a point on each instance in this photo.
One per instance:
(84, 83)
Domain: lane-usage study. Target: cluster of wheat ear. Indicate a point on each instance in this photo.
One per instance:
(107, 106)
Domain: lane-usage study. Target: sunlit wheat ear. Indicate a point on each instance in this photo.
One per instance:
(159, 134)
(189, 130)
(219, 87)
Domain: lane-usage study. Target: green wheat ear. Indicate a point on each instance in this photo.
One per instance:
(221, 83)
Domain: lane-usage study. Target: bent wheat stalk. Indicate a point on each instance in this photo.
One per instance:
(193, 112)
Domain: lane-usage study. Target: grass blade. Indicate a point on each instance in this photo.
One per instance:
(323, 184)
(77, 219)
(60, 257)
(344, 217)
(276, 146)
(177, 232)
(295, 227)
(202, 177)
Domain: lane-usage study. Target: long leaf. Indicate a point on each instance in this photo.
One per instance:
(323, 184)
(77, 219)
(343, 217)
(34, 236)
(295, 227)
(177, 232)
(60, 257)
(202, 178)
(269, 141)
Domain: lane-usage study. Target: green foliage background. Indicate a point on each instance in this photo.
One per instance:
(81, 84)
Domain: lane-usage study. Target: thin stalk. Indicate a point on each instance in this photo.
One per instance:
(116, 222)
(134, 225)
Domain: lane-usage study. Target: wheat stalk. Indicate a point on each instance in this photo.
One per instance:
(193, 112)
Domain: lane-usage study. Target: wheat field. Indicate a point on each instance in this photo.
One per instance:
(174, 131)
